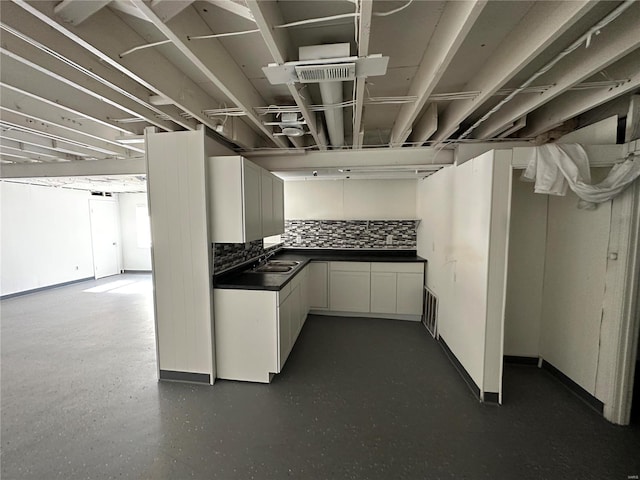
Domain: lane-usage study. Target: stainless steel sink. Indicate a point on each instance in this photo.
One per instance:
(275, 266)
(284, 263)
(272, 269)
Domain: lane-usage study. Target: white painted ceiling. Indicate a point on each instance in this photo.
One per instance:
(70, 91)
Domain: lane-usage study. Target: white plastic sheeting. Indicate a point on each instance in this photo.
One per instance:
(555, 166)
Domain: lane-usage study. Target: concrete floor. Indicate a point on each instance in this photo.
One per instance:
(358, 398)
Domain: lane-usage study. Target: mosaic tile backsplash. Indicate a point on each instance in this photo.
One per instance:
(228, 255)
(323, 234)
(350, 234)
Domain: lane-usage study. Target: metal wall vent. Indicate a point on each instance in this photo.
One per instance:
(430, 317)
(337, 72)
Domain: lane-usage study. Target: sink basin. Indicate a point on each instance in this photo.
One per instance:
(283, 263)
(272, 269)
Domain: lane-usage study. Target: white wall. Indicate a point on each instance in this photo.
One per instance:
(527, 246)
(134, 257)
(350, 199)
(45, 236)
(574, 288)
(463, 235)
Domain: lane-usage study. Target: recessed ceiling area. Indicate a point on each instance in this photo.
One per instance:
(81, 80)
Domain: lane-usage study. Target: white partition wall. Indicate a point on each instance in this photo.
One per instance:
(464, 235)
(45, 237)
(181, 255)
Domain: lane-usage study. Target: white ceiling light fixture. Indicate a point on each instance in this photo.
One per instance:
(290, 124)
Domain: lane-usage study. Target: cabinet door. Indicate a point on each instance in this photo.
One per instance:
(317, 285)
(266, 192)
(383, 292)
(296, 316)
(284, 331)
(278, 205)
(349, 291)
(251, 184)
(409, 288)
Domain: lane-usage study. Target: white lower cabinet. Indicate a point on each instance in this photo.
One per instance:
(383, 292)
(349, 286)
(397, 288)
(378, 288)
(255, 330)
(409, 293)
(318, 285)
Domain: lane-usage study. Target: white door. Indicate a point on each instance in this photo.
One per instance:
(105, 235)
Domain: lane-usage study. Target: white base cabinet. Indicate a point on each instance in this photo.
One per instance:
(255, 330)
(318, 285)
(377, 289)
(349, 286)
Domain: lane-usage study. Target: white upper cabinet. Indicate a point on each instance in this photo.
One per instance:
(244, 200)
(272, 204)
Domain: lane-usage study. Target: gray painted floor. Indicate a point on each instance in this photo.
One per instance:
(358, 398)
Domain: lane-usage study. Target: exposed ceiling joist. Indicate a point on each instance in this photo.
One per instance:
(453, 27)
(632, 130)
(82, 97)
(616, 41)
(519, 124)
(267, 15)
(75, 12)
(573, 103)
(233, 7)
(57, 146)
(73, 64)
(14, 99)
(426, 126)
(103, 146)
(213, 61)
(108, 36)
(11, 147)
(354, 158)
(167, 9)
(364, 33)
(77, 114)
(131, 166)
(543, 24)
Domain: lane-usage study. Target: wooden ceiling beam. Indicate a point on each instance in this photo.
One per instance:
(455, 23)
(541, 26)
(614, 42)
(212, 60)
(573, 103)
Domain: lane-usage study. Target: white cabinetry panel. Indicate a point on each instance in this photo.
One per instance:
(349, 291)
(383, 292)
(318, 285)
(409, 293)
(245, 202)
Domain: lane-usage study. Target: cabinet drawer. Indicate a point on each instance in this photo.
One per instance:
(350, 266)
(404, 267)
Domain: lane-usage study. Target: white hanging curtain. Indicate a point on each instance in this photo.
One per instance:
(555, 166)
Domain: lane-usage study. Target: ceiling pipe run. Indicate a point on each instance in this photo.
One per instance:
(331, 92)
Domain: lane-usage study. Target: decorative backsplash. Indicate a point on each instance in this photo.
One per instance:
(350, 234)
(228, 255)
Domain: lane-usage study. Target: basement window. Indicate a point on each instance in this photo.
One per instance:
(143, 227)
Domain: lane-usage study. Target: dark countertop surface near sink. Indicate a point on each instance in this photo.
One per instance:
(239, 279)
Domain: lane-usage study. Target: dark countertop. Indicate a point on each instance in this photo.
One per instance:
(239, 279)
